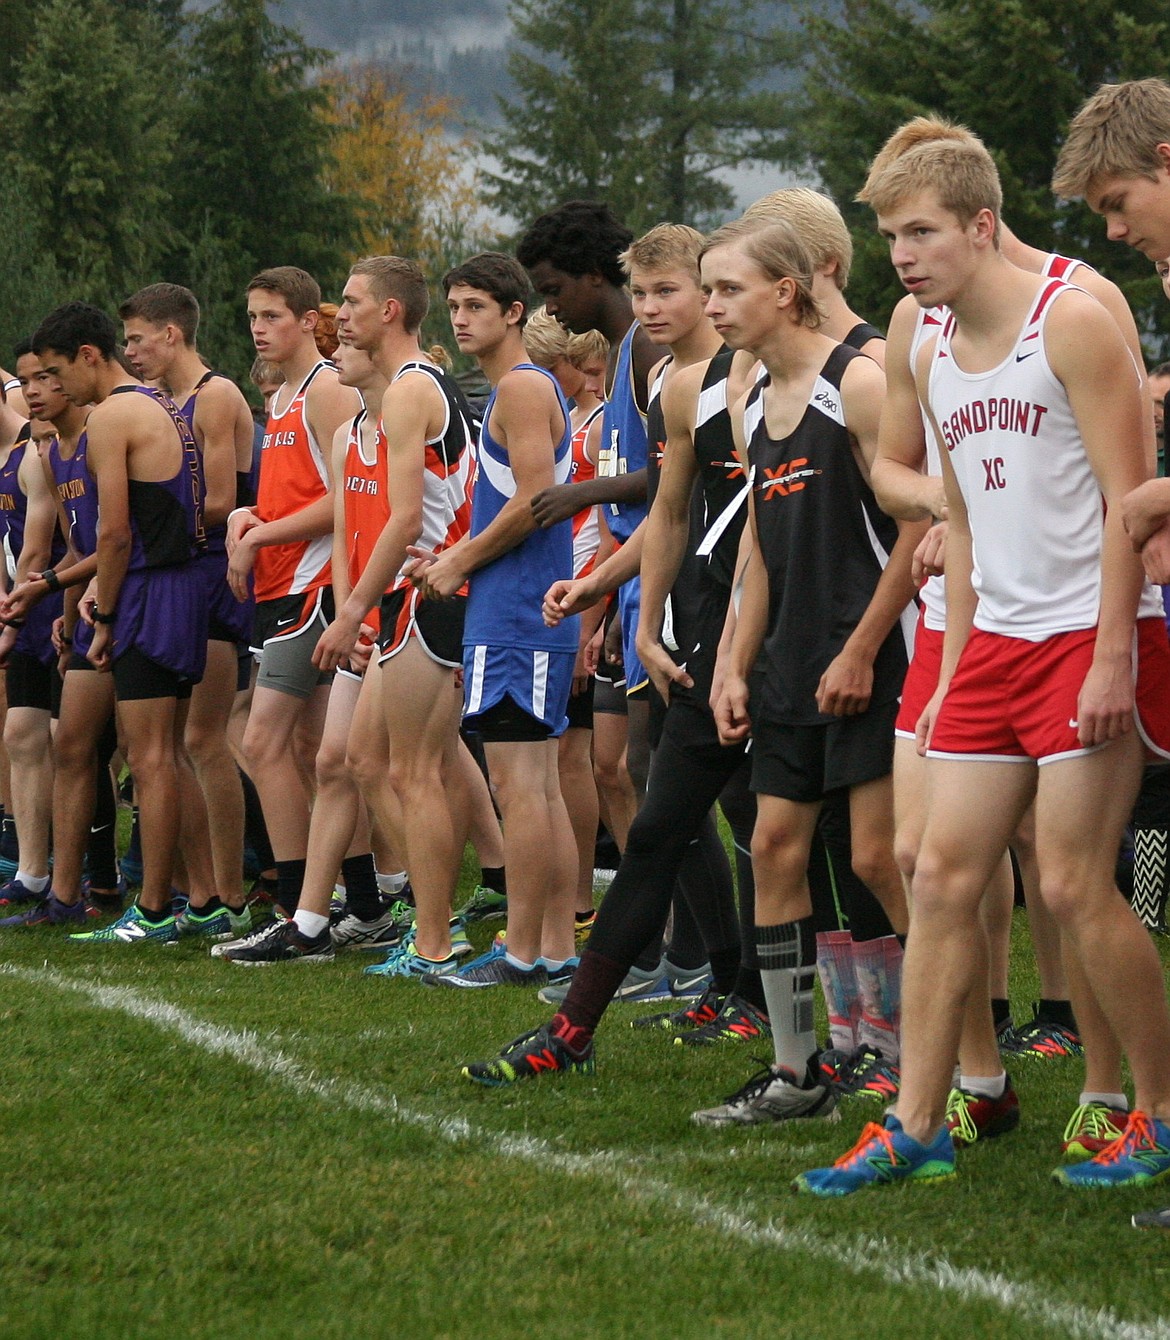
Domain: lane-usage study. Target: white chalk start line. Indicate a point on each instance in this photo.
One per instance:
(856, 1255)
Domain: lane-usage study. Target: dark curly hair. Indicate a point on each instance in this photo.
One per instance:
(580, 237)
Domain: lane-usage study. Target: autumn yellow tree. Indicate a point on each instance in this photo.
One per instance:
(398, 157)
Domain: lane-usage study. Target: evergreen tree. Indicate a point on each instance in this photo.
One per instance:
(1014, 72)
(33, 285)
(90, 136)
(638, 103)
(252, 148)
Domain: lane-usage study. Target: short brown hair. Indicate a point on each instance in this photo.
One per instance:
(264, 374)
(667, 246)
(780, 251)
(297, 287)
(500, 277)
(398, 278)
(1115, 134)
(817, 219)
(164, 305)
(960, 171)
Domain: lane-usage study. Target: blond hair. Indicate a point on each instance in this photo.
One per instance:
(1115, 134)
(265, 374)
(919, 130)
(546, 341)
(960, 171)
(817, 219)
(590, 346)
(780, 252)
(667, 246)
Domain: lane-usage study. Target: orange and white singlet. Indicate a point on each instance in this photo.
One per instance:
(366, 502)
(586, 527)
(292, 475)
(447, 469)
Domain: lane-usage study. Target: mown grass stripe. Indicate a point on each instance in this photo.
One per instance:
(857, 1255)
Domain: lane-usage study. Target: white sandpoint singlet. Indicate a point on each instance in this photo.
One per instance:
(1035, 508)
(933, 594)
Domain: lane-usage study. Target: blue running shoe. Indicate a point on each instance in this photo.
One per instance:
(132, 928)
(15, 894)
(51, 911)
(882, 1154)
(1139, 1155)
(406, 961)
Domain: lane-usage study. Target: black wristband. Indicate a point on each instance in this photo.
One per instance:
(99, 617)
(66, 641)
(51, 580)
(13, 623)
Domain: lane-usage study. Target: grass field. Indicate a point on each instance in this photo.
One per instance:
(201, 1150)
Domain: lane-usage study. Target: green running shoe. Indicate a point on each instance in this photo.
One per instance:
(132, 928)
(190, 921)
(484, 905)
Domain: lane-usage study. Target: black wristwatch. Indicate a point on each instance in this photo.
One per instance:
(99, 617)
(51, 580)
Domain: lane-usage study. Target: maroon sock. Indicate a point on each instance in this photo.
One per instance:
(594, 983)
(576, 1040)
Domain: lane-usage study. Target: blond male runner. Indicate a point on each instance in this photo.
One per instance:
(984, 1103)
(1033, 393)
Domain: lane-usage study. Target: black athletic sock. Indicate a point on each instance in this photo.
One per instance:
(134, 846)
(155, 918)
(494, 877)
(1057, 1012)
(1001, 1011)
(685, 948)
(206, 909)
(101, 854)
(749, 986)
(290, 880)
(725, 970)
(255, 830)
(592, 988)
(9, 843)
(361, 886)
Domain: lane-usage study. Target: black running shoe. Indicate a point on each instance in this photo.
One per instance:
(694, 1014)
(282, 943)
(540, 1051)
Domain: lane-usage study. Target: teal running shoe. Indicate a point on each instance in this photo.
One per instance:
(1139, 1155)
(881, 1155)
(406, 961)
(132, 928)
